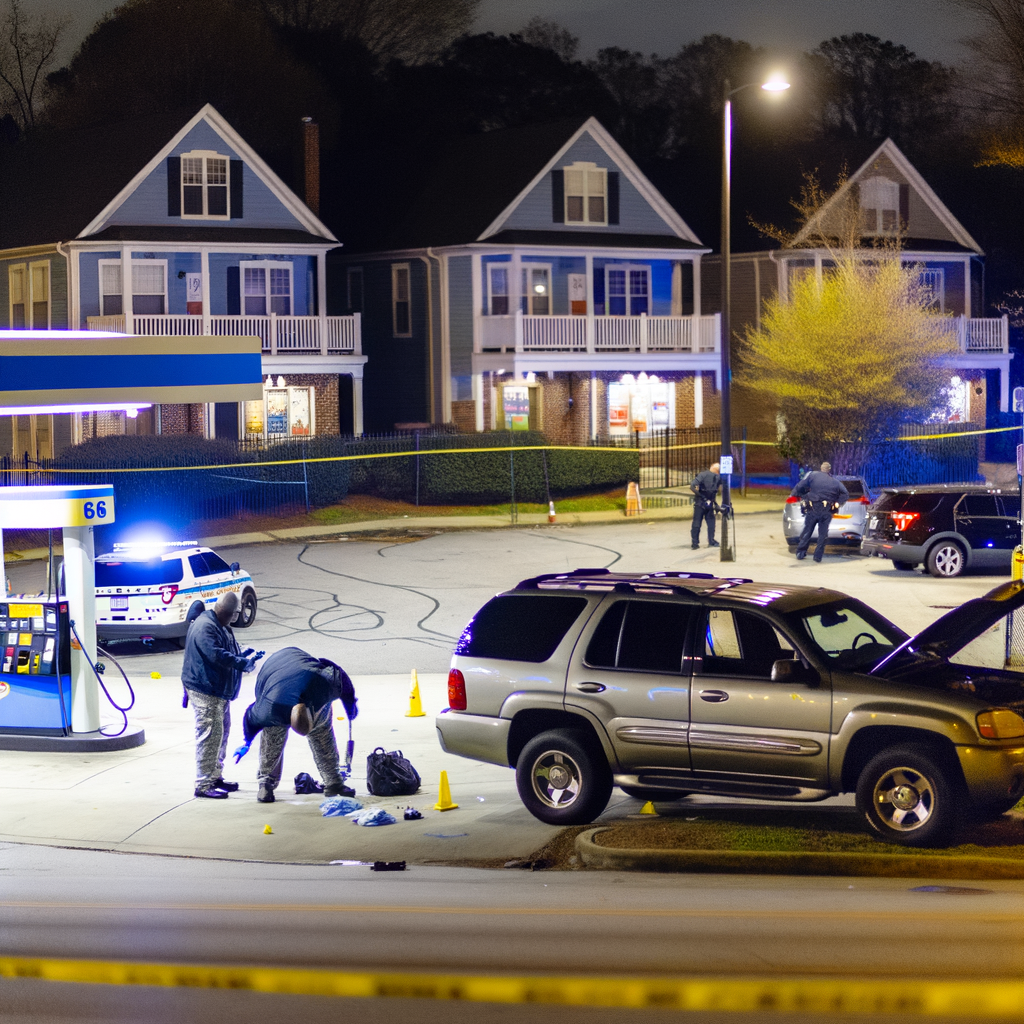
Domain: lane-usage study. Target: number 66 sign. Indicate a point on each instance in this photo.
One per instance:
(48, 507)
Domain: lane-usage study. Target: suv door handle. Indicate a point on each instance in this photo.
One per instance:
(714, 696)
(589, 687)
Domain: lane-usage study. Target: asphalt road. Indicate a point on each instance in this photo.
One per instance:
(77, 904)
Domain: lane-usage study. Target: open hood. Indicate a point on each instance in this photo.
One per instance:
(956, 629)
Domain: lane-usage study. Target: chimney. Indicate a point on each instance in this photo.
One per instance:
(311, 155)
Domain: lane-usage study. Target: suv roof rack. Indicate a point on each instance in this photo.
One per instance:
(623, 582)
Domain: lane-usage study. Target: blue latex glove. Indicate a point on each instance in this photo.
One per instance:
(241, 752)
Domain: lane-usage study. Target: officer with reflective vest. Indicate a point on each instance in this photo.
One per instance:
(823, 495)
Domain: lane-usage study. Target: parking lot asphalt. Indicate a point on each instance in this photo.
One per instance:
(382, 607)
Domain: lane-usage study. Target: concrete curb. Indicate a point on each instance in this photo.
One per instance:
(874, 865)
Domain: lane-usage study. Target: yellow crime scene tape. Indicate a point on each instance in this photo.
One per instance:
(969, 999)
(467, 451)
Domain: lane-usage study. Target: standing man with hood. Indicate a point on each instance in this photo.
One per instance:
(295, 689)
(212, 674)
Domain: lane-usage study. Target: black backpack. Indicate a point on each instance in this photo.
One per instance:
(390, 774)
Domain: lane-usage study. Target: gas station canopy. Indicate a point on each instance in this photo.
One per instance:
(46, 369)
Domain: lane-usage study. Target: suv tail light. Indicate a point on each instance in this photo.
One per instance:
(167, 592)
(904, 519)
(456, 690)
(864, 500)
(791, 500)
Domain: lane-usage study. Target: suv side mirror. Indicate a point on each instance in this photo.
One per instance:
(235, 567)
(792, 670)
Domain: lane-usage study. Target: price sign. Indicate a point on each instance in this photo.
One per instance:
(51, 507)
(725, 463)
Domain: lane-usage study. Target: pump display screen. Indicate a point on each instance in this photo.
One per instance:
(25, 611)
(138, 574)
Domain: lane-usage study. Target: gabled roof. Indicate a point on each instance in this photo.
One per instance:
(888, 149)
(54, 185)
(469, 186)
(302, 213)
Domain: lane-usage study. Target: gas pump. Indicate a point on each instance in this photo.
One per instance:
(49, 686)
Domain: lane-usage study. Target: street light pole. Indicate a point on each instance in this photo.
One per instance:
(775, 84)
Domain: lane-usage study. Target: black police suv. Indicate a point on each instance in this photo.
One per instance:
(948, 529)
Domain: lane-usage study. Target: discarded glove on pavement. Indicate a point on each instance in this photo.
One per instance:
(373, 816)
(339, 806)
(305, 783)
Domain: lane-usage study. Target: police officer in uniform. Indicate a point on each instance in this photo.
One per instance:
(705, 490)
(822, 496)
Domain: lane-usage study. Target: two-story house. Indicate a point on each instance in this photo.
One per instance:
(892, 201)
(159, 228)
(533, 276)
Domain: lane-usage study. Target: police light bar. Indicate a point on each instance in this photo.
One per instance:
(148, 544)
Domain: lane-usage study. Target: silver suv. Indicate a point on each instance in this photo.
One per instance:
(667, 684)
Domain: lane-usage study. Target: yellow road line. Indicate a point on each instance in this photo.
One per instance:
(902, 916)
(970, 999)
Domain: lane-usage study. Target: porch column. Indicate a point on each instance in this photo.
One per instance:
(643, 333)
(591, 322)
(593, 405)
(1004, 387)
(478, 402)
(357, 403)
(478, 305)
(698, 399)
(519, 330)
(204, 273)
(696, 290)
(126, 289)
(321, 298)
(515, 286)
(967, 287)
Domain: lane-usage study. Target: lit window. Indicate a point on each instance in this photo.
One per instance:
(536, 283)
(879, 206)
(266, 288)
(204, 185)
(586, 193)
(499, 289)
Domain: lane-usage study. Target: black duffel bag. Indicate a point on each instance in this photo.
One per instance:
(390, 774)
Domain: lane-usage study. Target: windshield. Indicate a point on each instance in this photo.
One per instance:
(138, 574)
(848, 634)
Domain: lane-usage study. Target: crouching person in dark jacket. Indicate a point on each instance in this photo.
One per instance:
(295, 689)
(211, 674)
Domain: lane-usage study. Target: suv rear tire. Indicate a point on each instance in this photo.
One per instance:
(909, 797)
(246, 610)
(563, 778)
(946, 560)
(903, 566)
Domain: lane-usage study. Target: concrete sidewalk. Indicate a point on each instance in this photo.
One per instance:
(141, 800)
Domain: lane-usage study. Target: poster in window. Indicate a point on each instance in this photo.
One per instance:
(659, 406)
(640, 408)
(254, 417)
(578, 294)
(194, 294)
(618, 408)
(516, 402)
(300, 419)
(277, 412)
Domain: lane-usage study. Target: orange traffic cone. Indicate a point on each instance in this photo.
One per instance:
(415, 704)
(551, 511)
(634, 506)
(444, 800)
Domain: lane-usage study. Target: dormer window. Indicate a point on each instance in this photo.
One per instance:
(204, 185)
(879, 206)
(586, 194)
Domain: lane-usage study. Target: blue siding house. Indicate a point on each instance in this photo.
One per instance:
(176, 230)
(534, 277)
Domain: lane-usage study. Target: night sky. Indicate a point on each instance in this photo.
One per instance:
(932, 28)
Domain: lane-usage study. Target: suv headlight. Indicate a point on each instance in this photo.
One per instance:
(1000, 725)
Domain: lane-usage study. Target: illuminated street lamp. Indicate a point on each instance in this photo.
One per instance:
(775, 84)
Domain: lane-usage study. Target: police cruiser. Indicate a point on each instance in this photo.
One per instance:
(145, 592)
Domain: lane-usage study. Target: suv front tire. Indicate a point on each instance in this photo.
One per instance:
(562, 778)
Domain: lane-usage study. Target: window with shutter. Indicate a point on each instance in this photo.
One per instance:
(586, 193)
(401, 303)
(29, 296)
(879, 206)
(205, 185)
(266, 288)
(16, 282)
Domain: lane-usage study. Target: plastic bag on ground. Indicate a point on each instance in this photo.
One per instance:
(373, 816)
(339, 806)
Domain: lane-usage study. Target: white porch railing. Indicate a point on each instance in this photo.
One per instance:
(980, 334)
(522, 333)
(279, 334)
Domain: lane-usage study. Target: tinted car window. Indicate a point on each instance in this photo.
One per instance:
(903, 502)
(197, 563)
(517, 627)
(214, 563)
(1010, 505)
(741, 644)
(138, 574)
(641, 636)
(978, 505)
(854, 487)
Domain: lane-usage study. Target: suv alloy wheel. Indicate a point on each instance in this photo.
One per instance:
(946, 559)
(562, 779)
(909, 798)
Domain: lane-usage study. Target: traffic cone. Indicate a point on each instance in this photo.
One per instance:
(648, 808)
(444, 800)
(415, 704)
(551, 511)
(634, 506)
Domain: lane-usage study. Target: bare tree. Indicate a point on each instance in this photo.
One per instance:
(549, 35)
(27, 50)
(411, 31)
